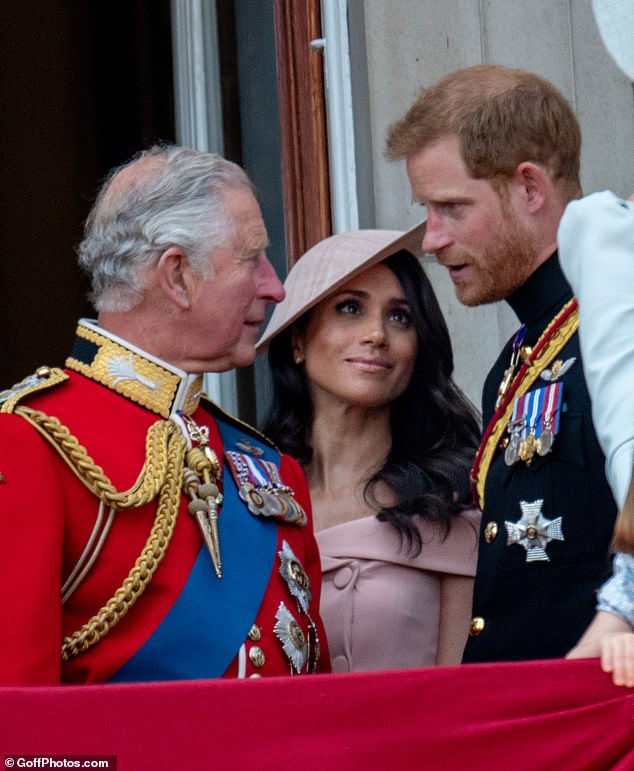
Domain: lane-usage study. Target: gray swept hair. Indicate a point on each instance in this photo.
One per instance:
(176, 198)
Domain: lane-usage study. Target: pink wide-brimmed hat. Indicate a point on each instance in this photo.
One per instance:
(332, 263)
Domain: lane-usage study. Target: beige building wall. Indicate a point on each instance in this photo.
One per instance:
(411, 43)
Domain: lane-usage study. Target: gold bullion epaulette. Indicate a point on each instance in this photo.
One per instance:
(44, 377)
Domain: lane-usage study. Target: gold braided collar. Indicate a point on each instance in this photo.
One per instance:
(553, 339)
(130, 372)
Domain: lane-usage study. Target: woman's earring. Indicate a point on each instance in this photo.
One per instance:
(298, 358)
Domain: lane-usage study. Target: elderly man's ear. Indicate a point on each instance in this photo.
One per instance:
(175, 277)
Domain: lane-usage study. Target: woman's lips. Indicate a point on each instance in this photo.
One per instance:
(369, 365)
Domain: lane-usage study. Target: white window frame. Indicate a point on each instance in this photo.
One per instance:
(339, 112)
(198, 109)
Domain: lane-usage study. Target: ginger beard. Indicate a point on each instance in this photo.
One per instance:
(502, 266)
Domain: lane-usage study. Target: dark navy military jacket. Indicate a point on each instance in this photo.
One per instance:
(539, 609)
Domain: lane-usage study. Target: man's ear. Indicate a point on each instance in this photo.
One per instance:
(175, 277)
(533, 181)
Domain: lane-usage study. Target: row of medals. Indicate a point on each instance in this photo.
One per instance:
(515, 448)
(526, 449)
(270, 500)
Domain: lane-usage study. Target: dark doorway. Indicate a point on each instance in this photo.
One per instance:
(83, 86)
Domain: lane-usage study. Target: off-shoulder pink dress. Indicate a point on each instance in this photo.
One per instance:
(381, 607)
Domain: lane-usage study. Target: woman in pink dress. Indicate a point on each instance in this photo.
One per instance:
(364, 399)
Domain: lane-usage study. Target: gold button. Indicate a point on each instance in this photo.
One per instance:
(476, 626)
(255, 633)
(490, 531)
(256, 656)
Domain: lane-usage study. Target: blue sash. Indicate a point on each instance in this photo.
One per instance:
(210, 620)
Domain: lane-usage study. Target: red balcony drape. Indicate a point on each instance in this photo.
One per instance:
(511, 716)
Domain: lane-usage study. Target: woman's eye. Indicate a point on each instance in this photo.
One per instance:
(402, 317)
(347, 306)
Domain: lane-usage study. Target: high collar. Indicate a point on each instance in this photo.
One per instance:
(133, 373)
(542, 295)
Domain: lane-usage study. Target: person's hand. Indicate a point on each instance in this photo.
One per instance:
(617, 657)
(631, 198)
(610, 638)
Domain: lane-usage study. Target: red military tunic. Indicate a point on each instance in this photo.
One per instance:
(260, 618)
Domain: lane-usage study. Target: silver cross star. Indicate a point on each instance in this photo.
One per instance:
(533, 531)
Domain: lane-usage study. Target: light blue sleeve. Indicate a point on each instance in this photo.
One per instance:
(596, 250)
(617, 594)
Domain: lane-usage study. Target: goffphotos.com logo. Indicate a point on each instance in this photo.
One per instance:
(61, 761)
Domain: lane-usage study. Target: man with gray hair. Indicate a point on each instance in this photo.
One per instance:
(146, 534)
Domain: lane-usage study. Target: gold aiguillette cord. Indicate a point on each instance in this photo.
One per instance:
(205, 496)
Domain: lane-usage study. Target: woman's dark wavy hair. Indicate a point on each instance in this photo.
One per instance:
(435, 428)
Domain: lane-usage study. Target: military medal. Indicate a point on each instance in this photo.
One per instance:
(260, 487)
(521, 443)
(534, 424)
(511, 453)
(550, 417)
(528, 447)
(532, 411)
(545, 441)
(509, 372)
(534, 531)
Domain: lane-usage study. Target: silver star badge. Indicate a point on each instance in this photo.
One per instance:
(297, 580)
(534, 531)
(290, 634)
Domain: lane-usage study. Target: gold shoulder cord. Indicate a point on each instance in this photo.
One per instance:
(162, 473)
